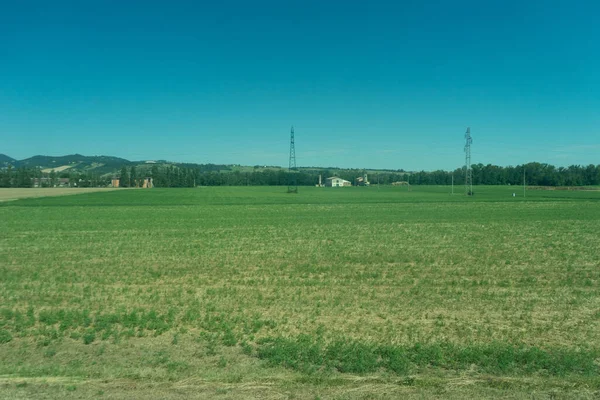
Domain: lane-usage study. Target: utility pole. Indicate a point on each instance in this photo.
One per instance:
(468, 170)
(452, 182)
(292, 174)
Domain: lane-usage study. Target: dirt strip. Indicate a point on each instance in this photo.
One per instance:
(8, 194)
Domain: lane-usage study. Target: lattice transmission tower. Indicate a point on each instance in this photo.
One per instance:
(292, 175)
(468, 170)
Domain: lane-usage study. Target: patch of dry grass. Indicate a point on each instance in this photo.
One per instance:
(7, 194)
(57, 169)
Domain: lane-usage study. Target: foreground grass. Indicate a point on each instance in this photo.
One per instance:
(341, 293)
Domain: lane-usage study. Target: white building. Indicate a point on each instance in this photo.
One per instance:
(334, 181)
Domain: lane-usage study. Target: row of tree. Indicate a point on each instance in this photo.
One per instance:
(24, 177)
(536, 174)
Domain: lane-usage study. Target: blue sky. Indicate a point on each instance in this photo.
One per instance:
(366, 84)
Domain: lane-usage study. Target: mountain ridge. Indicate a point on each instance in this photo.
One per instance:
(5, 160)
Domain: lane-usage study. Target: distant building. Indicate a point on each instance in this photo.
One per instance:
(145, 183)
(335, 181)
(362, 180)
(42, 182)
(48, 182)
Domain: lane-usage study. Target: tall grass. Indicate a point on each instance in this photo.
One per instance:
(309, 354)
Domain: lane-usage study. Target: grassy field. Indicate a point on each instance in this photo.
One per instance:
(331, 293)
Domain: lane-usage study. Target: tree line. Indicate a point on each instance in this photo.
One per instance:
(535, 174)
(24, 177)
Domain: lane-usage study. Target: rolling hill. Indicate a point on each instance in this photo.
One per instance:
(6, 160)
(105, 165)
(77, 162)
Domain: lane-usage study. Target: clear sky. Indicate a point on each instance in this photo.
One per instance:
(379, 84)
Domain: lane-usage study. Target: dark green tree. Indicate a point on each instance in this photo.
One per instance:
(123, 177)
(53, 178)
(6, 180)
(133, 177)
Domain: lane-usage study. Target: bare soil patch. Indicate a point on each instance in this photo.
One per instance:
(8, 194)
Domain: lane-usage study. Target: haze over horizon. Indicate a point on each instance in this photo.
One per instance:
(374, 85)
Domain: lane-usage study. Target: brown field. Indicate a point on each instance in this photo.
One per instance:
(57, 169)
(7, 194)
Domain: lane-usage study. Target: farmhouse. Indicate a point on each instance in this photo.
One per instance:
(334, 181)
(50, 182)
(42, 182)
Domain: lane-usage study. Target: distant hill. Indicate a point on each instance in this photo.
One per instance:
(5, 160)
(99, 164)
(108, 165)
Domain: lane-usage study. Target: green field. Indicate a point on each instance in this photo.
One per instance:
(250, 292)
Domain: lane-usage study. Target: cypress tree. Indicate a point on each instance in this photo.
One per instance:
(133, 177)
(123, 177)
